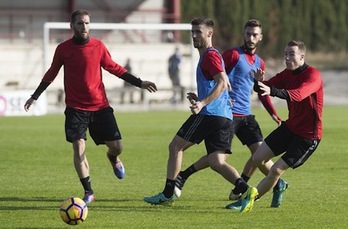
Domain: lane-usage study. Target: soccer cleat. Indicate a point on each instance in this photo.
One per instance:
(118, 167)
(278, 192)
(179, 184)
(235, 205)
(248, 199)
(88, 198)
(159, 199)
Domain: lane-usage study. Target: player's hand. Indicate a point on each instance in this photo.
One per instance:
(151, 87)
(259, 74)
(264, 88)
(277, 119)
(196, 107)
(28, 103)
(192, 97)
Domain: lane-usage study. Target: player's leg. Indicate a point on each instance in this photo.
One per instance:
(182, 177)
(190, 133)
(82, 169)
(218, 145)
(176, 149)
(272, 178)
(80, 159)
(249, 133)
(217, 162)
(104, 130)
(114, 150)
(76, 123)
(200, 164)
(275, 144)
(249, 168)
(261, 156)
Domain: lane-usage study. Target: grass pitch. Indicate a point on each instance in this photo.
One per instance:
(37, 174)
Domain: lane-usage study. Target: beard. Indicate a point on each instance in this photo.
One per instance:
(197, 45)
(81, 35)
(249, 46)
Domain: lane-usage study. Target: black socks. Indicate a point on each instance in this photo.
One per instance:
(241, 186)
(86, 183)
(169, 188)
(188, 172)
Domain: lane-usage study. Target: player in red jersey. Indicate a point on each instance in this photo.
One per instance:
(87, 106)
(298, 137)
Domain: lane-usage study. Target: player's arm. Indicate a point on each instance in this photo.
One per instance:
(221, 80)
(311, 82)
(48, 78)
(212, 70)
(41, 88)
(108, 64)
(151, 87)
(266, 87)
(263, 89)
(221, 85)
(267, 103)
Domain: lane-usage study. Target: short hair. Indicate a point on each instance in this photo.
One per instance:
(77, 13)
(300, 44)
(203, 20)
(253, 23)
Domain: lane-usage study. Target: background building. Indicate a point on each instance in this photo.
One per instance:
(24, 59)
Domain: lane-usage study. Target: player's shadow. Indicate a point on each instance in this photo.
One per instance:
(21, 203)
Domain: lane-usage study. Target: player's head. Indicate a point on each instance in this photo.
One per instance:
(252, 34)
(294, 54)
(202, 32)
(79, 23)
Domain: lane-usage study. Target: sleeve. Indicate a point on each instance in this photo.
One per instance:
(56, 64)
(108, 64)
(280, 93)
(310, 84)
(212, 64)
(230, 57)
(266, 102)
(263, 66)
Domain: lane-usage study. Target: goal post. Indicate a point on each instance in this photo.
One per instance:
(118, 26)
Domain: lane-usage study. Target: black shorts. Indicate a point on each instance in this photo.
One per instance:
(247, 129)
(297, 149)
(101, 124)
(214, 130)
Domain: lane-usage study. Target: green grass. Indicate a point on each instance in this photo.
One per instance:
(36, 174)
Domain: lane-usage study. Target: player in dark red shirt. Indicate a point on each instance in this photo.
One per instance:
(299, 136)
(87, 106)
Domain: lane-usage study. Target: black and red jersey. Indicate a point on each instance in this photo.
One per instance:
(83, 65)
(305, 103)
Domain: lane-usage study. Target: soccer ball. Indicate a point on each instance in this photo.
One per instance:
(73, 211)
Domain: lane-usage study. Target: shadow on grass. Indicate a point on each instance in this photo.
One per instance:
(136, 205)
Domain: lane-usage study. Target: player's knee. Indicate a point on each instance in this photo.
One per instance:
(115, 148)
(174, 147)
(215, 165)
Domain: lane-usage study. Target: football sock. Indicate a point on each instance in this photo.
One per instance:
(245, 177)
(241, 186)
(169, 188)
(188, 172)
(86, 183)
